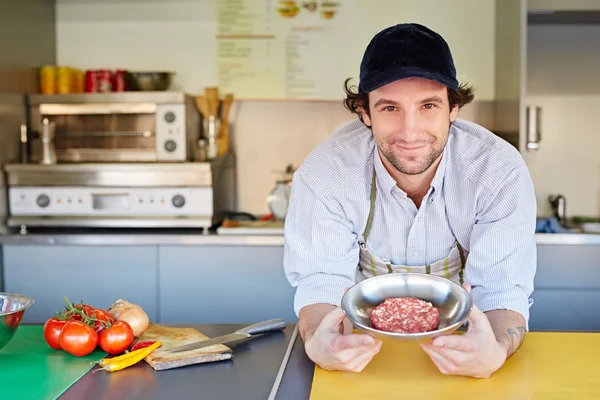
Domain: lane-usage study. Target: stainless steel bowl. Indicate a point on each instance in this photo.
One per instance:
(12, 308)
(148, 81)
(453, 302)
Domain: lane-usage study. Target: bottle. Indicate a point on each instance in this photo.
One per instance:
(201, 151)
(48, 150)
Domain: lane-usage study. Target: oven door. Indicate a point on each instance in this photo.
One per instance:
(101, 132)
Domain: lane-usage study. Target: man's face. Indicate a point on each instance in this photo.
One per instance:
(410, 119)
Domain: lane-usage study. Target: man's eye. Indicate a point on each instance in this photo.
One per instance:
(390, 108)
(429, 106)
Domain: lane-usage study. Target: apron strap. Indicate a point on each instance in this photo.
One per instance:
(372, 206)
(463, 263)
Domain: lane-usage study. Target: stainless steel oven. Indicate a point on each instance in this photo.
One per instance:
(116, 127)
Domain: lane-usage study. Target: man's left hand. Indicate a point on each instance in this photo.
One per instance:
(475, 353)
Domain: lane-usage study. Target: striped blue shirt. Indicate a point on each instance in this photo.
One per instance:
(481, 196)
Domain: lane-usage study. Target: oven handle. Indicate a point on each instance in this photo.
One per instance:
(97, 108)
(146, 134)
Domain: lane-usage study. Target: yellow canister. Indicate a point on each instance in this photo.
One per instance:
(48, 79)
(63, 80)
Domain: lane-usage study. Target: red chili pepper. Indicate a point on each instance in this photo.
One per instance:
(141, 345)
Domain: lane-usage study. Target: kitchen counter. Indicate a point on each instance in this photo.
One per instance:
(276, 368)
(139, 238)
(243, 275)
(194, 238)
(254, 372)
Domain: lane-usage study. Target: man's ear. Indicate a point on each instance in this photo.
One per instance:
(365, 116)
(454, 113)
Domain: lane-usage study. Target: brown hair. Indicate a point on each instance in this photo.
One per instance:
(356, 100)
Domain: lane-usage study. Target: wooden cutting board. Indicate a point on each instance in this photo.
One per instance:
(160, 359)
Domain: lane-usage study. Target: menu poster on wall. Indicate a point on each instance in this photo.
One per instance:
(276, 49)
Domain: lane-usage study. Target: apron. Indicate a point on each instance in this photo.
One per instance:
(452, 267)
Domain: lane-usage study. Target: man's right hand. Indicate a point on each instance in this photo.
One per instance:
(332, 350)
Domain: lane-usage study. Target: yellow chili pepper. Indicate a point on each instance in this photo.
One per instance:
(128, 359)
(123, 356)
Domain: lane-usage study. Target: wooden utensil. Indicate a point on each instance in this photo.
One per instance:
(223, 143)
(212, 96)
(202, 105)
(160, 359)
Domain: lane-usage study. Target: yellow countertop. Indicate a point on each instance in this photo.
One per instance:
(548, 365)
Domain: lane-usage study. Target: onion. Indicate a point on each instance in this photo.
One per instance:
(133, 314)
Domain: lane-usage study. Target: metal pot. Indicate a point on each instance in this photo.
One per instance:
(279, 198)
(148, 81)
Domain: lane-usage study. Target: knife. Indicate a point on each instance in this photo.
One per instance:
(272, 325)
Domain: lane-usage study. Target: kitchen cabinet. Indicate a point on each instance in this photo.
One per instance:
(570, 141)
(213, 283)
(560, 5)
(567, 289)
(98, 275)
(541, 53)
(223, 284)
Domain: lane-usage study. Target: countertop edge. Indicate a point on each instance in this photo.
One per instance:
(186, 239)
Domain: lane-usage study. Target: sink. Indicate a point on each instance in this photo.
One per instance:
(590, 227)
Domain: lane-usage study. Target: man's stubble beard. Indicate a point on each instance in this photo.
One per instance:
(437, 149)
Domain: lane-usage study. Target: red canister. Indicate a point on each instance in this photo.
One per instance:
(104, 78)
(119, 81)
(91, 81)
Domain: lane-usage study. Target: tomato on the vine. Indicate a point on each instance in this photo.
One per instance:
(85, 308)
(52, 329)
(117, 338)
(77, 338)
(103, 318)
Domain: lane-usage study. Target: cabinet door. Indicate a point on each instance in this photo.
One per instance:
(562, 5)
(567, 289)
(223, 284)
(510, 121)
(567, 162)
(96, 275)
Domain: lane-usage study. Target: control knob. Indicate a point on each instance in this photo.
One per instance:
(170, 117)
(178, 201)
(43, 200)
(170, 146)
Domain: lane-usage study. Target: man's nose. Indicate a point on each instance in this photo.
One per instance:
(409, 126)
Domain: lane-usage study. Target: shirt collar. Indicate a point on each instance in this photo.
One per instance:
(384, 179)
(438, 178)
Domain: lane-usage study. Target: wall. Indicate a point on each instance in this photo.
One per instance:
(27, 41)
(562, 77)
(178, 35)
(25, 25)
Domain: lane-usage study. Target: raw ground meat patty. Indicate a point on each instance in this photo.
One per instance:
(405, 315)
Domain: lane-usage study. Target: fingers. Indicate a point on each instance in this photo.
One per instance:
(343, 342)
(454, 342)
(440, 362)
(455, 357)
(332, 320)
(467, 287)
(347, 326)
(478, 320)
(360, 362)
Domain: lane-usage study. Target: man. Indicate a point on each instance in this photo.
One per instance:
(409, 187)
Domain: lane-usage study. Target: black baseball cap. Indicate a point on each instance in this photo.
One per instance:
(406, 50)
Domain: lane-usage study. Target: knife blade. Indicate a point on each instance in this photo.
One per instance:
(272, 325)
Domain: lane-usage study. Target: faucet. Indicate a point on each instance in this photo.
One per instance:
(559, 207)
